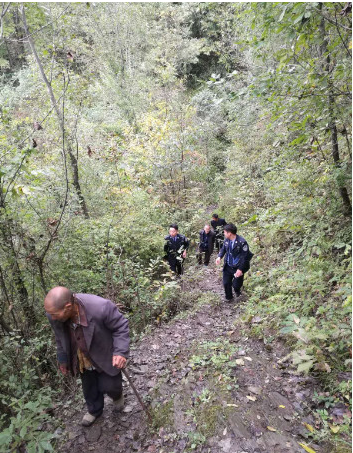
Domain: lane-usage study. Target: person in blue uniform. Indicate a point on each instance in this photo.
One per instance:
(237, 258)
(218, 225)
(175, 249)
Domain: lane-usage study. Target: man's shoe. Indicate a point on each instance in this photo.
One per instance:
(228, 300)
(119, 404)
(88, 419)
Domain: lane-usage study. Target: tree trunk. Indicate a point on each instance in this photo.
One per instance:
(6, 229)
(332, 117)
(73, 160)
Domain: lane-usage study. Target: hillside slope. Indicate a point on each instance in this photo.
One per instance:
(210, 386)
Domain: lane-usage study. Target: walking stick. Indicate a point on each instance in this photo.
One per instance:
(144, 407)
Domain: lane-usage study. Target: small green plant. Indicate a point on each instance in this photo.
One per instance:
(214, 356)
(25, 429)
(162, 414)
(196, 439)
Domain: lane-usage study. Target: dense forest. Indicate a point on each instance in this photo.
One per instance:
(120, 118)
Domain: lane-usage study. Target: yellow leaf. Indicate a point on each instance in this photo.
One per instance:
(306, 448)
(334, 428)
(281, 406)
(271, 429)
(251, 398)
(309, 427)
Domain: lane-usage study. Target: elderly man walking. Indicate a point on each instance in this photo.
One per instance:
(92, 339)
(206, 245)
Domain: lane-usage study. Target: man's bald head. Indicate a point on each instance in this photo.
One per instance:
(57, 298)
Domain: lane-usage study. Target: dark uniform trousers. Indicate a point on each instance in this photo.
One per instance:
(95, 385)
(218, 226)
(175, 265)
(207, 254)
(229, 281)
(219, 242)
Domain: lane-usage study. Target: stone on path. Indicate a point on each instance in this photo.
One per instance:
(93, 433)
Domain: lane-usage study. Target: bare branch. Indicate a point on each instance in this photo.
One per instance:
(338, 30)
(5, 8)
(328, 19)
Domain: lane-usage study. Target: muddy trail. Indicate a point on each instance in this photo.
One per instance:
(210, 386)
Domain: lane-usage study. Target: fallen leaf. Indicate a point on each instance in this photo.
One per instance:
(306, 448)
(248, 358)
(271, 429)
(281, 406)
(309, 427)
(334, 428)
(232, 405)
(251, 398)
(239, 362)
(225, 431)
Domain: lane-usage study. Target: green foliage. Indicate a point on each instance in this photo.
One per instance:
(25, 429)
(214, 357)
(25, 397)
(171, 111)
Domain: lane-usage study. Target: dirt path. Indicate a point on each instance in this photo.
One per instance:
(211, 387)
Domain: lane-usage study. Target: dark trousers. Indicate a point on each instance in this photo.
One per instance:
(95, 385)
(175, 265)
(207, 255)
(219, 242)
(229, 281)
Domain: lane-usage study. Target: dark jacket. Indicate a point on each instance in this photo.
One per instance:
(176, 247)
(107, 333)
(240, 253)
(218, 226)
(210, 242)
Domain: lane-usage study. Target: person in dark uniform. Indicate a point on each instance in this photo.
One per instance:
(206, 245)
(175, 249)
(218, 225)
(236, 262)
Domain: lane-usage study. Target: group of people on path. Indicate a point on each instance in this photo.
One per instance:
(229, 245)
(92, 336)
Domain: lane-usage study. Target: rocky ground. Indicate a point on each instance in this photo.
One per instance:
(210, 387)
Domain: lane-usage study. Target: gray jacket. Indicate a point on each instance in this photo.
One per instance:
(107, 333)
